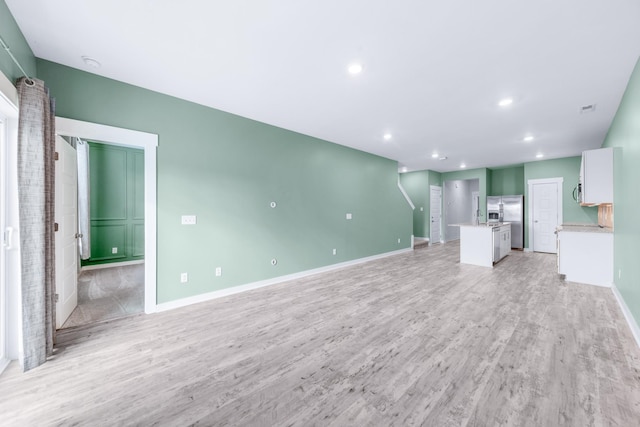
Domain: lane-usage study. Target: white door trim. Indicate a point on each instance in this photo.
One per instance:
(530, 183)
(149, 143)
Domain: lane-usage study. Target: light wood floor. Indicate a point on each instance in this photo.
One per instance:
(414, 339)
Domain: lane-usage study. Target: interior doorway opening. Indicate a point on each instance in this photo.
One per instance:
(118, 137)
(459, 205)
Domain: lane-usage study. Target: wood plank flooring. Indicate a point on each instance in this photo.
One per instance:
(414, 339)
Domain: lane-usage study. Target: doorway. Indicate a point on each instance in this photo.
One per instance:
(148, 143)
(545, 213)
(4, 359)
(435, 208)
(458, 205)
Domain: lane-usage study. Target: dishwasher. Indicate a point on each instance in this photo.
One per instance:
(496, 244)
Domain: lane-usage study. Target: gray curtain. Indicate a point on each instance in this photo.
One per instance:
(84, 224)
(36, 174)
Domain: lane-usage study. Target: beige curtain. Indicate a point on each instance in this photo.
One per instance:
(36, 174)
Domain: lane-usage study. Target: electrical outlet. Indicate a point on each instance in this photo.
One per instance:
(184, 278)
(421, 208)
(335, 251)
(114, 250)
(218, 271)
(188, 220)
(398, 240)
(349, 216)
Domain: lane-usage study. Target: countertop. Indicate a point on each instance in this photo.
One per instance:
(481, 224)
(583, 228)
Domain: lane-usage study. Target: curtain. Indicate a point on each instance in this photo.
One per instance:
(36, 174)
(84, 225)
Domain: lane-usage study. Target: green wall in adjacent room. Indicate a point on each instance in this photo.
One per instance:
(13, 37)
(227, 170)
(507, 181)
(417, 185)
(117, 204)
(567, 168)
(624, 133)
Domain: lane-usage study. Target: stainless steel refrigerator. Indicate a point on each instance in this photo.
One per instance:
(511, 209)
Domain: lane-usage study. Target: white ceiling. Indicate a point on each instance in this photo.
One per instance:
(433, 74)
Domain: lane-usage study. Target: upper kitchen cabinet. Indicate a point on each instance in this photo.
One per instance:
(596, 176)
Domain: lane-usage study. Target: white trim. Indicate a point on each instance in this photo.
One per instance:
(148, 142)
(111, 264)
(530, 184)
(406, 196)
(262, 283)
(631, 321)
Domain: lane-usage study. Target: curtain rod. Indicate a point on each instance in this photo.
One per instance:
(29, 80)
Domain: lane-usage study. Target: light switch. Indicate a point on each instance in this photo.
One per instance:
(188, 219)
(349, 216)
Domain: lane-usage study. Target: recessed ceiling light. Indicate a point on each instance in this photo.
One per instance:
(404, 169)
(435, 155)
(355, 68)
(91, 62)
(539, 155)
(505, 102)
(462, 166)
(528, 138)
(387, 136)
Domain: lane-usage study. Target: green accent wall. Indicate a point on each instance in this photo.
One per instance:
(227, 170)
(12, 35)
(567, 168)
(117, 203)
(624, 133)
(507, 181)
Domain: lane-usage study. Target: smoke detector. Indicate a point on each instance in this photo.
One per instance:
(590, 108)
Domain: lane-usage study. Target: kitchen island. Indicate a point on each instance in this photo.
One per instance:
(484, 244)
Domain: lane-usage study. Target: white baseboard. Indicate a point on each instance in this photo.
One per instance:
(111, 264)
(261, 284)
(635, 329)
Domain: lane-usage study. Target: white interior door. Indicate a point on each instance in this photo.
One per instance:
(66, 214)
(544, 216)
(435, 235)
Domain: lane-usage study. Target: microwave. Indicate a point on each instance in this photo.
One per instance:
(493, 216)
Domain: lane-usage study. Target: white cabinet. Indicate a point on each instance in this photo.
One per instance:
(596, 176)
(586, 257)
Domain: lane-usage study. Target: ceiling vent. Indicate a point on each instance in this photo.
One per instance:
(587, 108)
